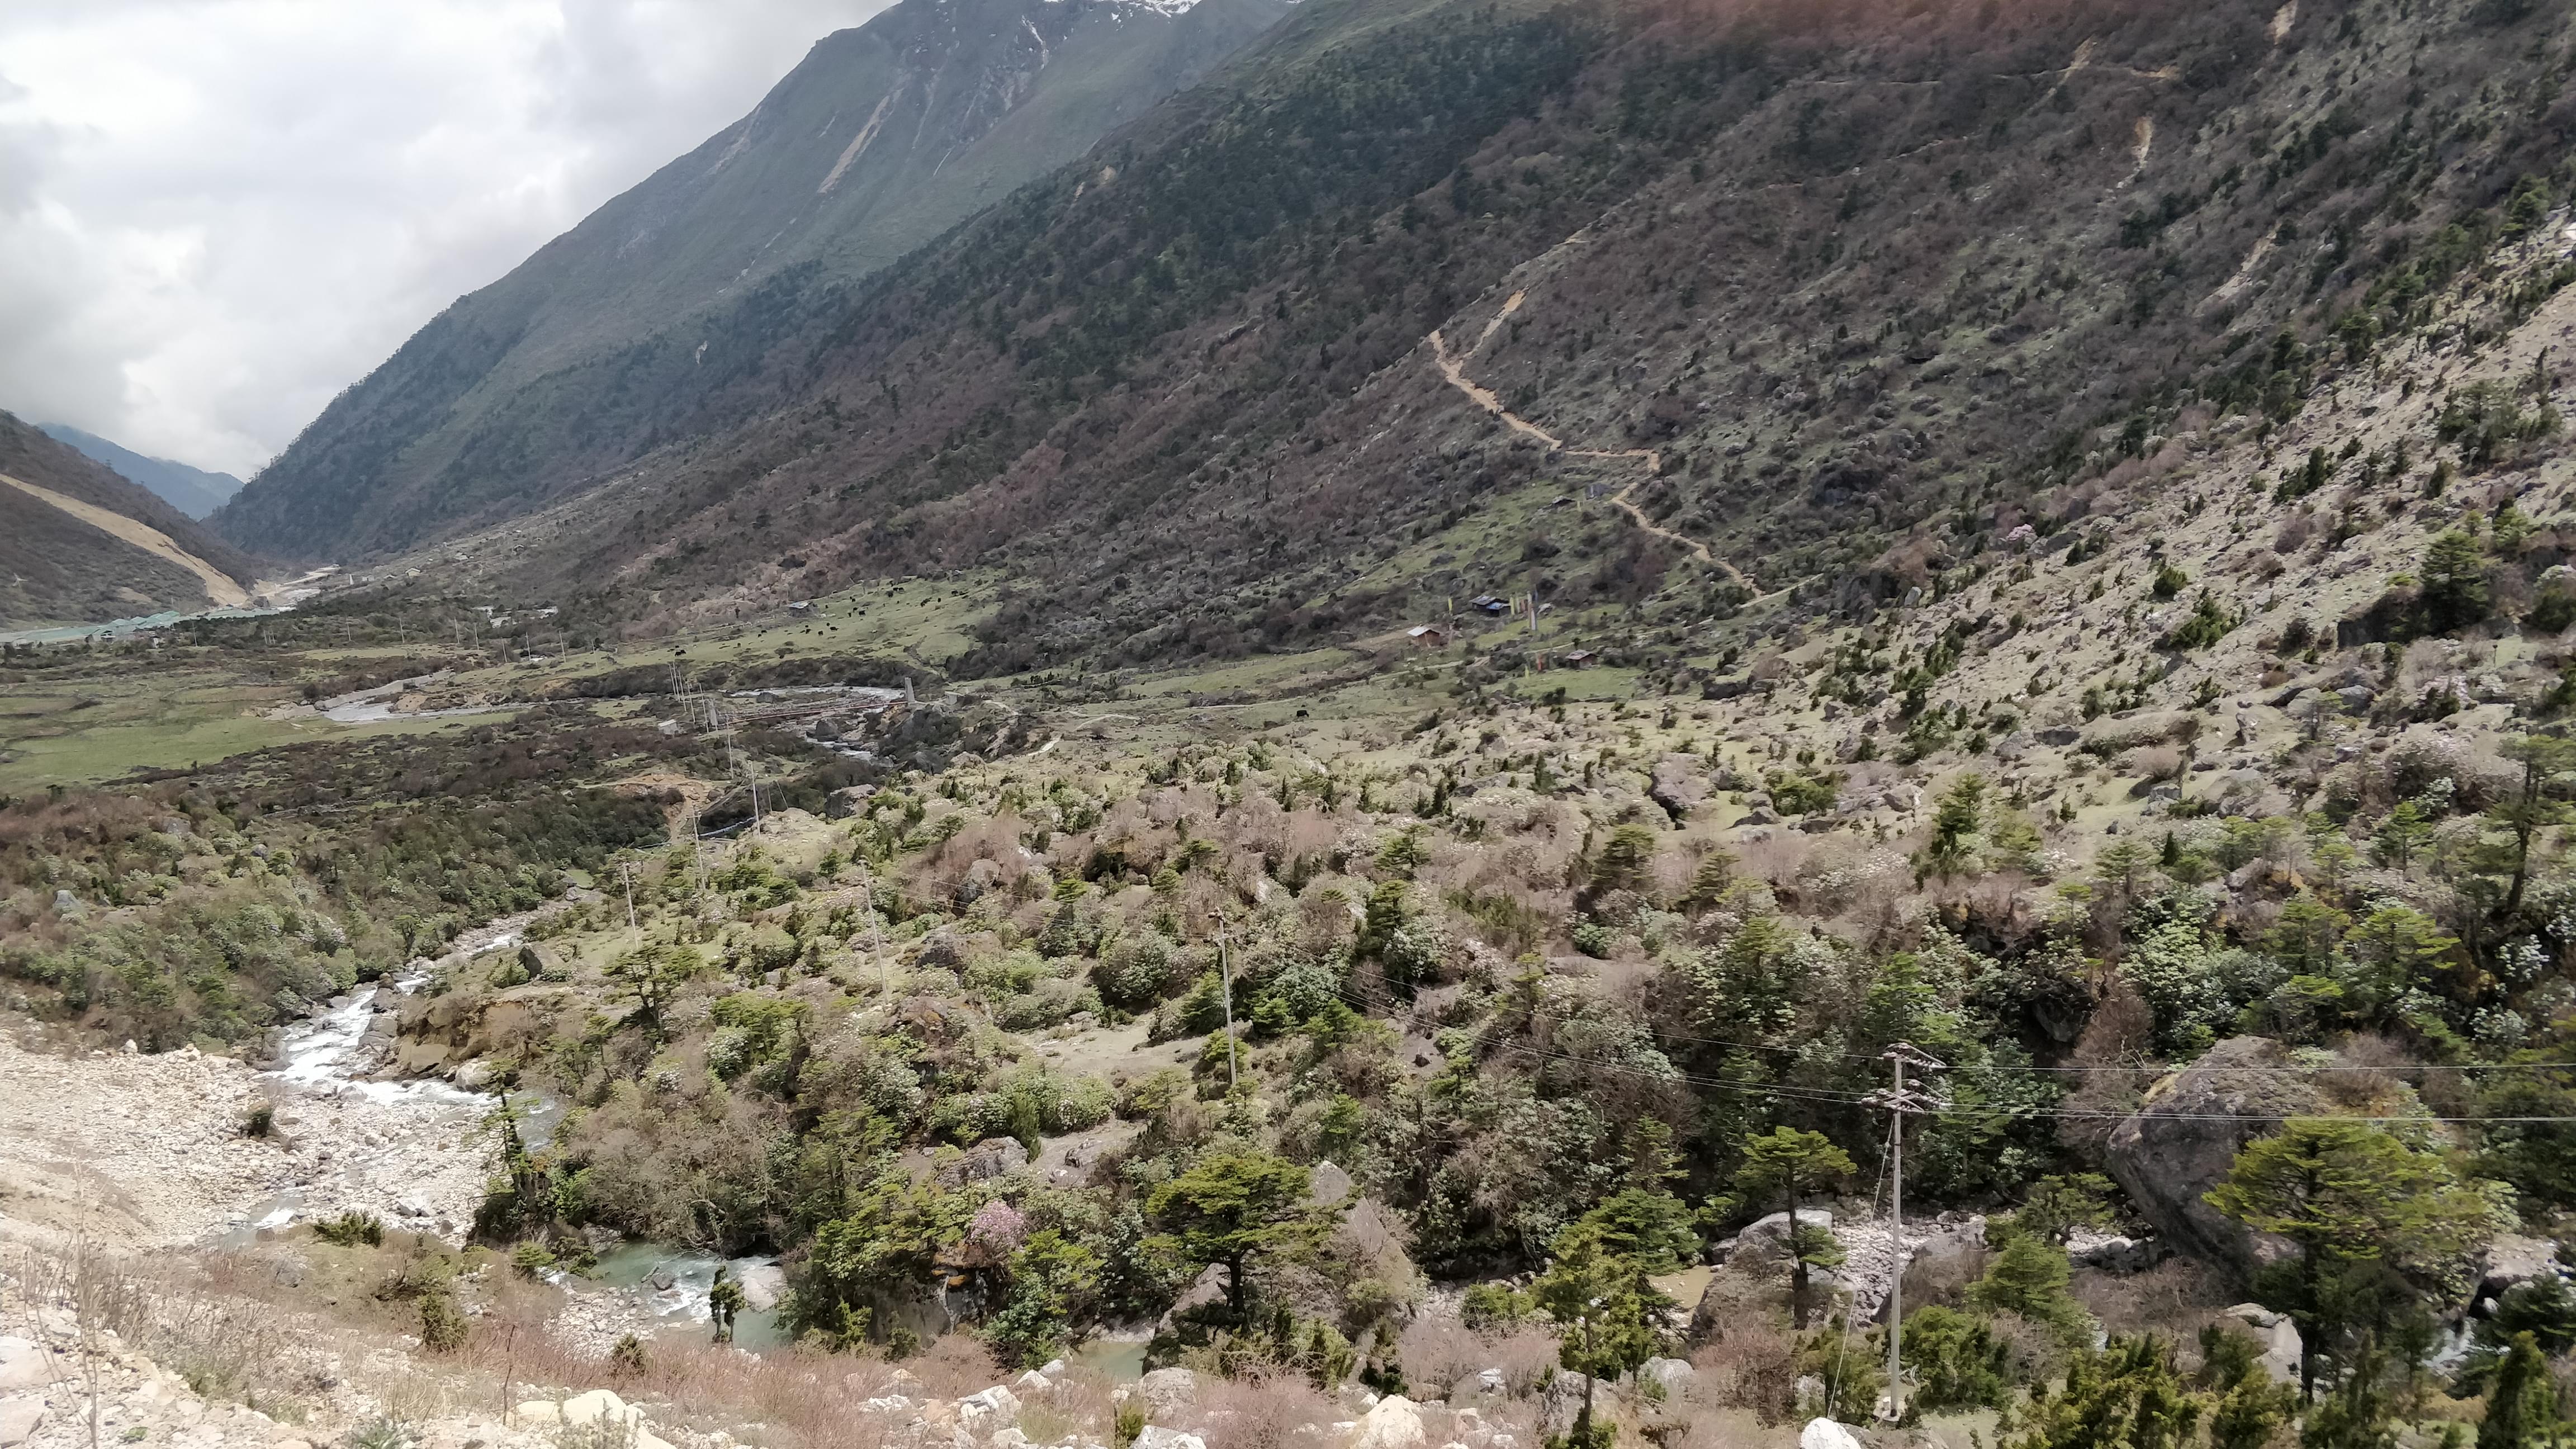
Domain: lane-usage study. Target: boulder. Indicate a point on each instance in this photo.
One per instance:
(1679, 785)
(1033, 1382)
(764, 1286)
(1826, 1434)
(983, 1412)
(19, 1416)
(1951, 1256)
(599, 1406)
(986, 1160)
(2511, 1259)
(1391, 1423)
(2278, 1336)
(1155, 1436)
(23, 1365)
(1167, 1391)
(2170, 1152)
(1773, 1231)
(1671, 1375)
(1482, 1384)
(1328, 1185)
(1561, 1402)
(2118, 1254)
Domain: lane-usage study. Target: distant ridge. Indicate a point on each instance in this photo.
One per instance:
(193, 491)
(79, 543)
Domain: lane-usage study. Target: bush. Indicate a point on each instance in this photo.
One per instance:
(1493, 1305)
(352, 1228)
(1957, 1360)
(442, 1325)
(259, 1120)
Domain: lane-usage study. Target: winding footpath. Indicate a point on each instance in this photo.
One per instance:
(1453, 368)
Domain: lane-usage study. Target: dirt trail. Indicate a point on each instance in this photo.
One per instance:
(220, 587)
(1454, 368)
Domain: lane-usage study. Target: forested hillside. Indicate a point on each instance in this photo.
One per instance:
(885, 135)
(1308, 780)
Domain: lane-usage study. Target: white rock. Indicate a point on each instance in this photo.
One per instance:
(538, 1411)
(1826, 1434)
(23, 1365)
(19, 1415)
(1391, 1423)
(1033, 1382)
(1169, 1389)
(599, 1406)
(1156, 1436)
(1010, 1438)
(993, 1404)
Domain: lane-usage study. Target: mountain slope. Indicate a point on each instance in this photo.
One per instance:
(193, 491)
(1810, 293)
(80, 543)
(883, 136)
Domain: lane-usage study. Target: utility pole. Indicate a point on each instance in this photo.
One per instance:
(876, 933)
(1898, 1103)
(626, 871)
(1225, 969)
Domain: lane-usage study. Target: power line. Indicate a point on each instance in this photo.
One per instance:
(2143, 1067)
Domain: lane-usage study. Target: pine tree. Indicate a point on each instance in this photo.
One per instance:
(2522, 1407)
(1789, 1164)
(2345, 1193)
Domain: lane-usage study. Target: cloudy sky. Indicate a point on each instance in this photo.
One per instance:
(215, 214)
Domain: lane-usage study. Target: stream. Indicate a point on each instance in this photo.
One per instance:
(332, 1054)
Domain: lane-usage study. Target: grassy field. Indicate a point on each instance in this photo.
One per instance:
(123, 719)
(116, 712)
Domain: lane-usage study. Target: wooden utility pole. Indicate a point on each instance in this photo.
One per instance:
(1225, 971)
(1898, 1103)
(626, 872)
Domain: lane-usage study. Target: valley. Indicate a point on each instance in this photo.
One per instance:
(1470, 727)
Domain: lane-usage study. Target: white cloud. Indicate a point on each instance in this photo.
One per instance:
(215, 214)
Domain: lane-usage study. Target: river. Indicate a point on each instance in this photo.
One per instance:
(332, 1056)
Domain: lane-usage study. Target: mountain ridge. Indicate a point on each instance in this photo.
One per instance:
(57, 566)
(881, 137)
(196, 492)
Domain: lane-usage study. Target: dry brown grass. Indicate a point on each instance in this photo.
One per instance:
(2173, 1299)
(1753, 1367)
(1280, 1410)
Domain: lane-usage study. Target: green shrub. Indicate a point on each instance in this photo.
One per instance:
(352, 1228)
(259, 1120)
(1957, 1361)
(442, 1325)
(1493, 1305)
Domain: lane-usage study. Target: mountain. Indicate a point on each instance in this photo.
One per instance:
(1806, 292)
(193, 491)
(1774, 296)
(883, 137)
(80, 543)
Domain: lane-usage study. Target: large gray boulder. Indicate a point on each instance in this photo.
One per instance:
(2181, 1143)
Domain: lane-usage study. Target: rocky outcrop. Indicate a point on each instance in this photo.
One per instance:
(2172, 1151)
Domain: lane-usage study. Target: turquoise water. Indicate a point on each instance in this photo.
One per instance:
(1120, 1363)
(682, 1308)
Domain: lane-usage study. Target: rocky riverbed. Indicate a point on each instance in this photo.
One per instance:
(137, 1150)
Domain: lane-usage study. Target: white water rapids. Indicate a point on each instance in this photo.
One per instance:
(327, 1058)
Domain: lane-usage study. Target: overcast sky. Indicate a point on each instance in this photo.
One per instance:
(215, 214)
